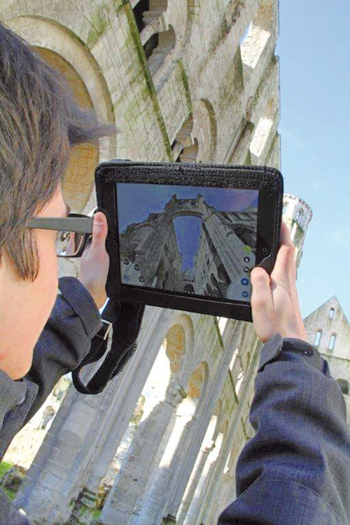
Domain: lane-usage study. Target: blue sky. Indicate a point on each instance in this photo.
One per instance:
(137, 201)
(314, 51)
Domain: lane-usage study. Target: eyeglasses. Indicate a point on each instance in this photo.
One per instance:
(73, 232)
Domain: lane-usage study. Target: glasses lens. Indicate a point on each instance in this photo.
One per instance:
(69, 244)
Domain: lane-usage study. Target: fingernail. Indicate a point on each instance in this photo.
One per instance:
(98, 220)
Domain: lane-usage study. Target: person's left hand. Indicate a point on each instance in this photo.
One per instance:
(94, 263)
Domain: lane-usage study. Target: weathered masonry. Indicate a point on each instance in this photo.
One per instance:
(184, 80)
(328, 330)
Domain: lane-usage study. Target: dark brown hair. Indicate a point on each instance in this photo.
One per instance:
(40, 122)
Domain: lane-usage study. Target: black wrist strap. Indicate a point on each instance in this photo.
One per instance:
(126, 319)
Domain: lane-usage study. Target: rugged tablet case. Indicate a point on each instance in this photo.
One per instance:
(126, 316)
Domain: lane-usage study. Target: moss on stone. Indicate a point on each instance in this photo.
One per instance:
(272, 147)
(262, 83)
(143, 63)
(99, 23)
(187, 87)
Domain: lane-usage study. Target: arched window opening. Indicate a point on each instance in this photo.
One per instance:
(317, 340)
(141, 7)
(255, 39)
(156, 38)
(332, 342)
(331, 313)
(285, 208)
(185, 147)
(160, 57)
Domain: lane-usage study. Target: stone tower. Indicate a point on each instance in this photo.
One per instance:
(297, 214)
(182, 80)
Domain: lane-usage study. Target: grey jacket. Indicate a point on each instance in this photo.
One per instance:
(64, 343)
(296, 470)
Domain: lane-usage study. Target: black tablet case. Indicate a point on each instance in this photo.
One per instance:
(125, 316)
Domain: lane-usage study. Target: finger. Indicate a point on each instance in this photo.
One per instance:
(261, 296)
(284, 266)
(285, 237)
(100, 230)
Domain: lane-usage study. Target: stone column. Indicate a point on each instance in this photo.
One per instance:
(152, 507)
(211, 505)
(231, 338)
(193, 482)
(88, 430)
(192, 516)
(134, 474)
(169, 484)
(227, 490)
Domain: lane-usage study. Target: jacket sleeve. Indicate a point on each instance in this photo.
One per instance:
(66, 338)
(296, 469)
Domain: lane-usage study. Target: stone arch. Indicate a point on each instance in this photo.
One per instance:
(175, 347)
(157, 36)
(162, 55)
(185, 146)
(256, 39)
(79, 178)
(170, 361)
(197, 384)
(204, 130)
(64, 51)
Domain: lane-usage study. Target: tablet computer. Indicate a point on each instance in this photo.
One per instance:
(186, 236)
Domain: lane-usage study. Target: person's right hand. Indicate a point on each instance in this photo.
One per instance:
(275, 303)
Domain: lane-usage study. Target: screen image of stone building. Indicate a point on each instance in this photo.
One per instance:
(184, 81)
(208, 259)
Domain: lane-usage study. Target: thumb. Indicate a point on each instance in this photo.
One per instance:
(100, 230)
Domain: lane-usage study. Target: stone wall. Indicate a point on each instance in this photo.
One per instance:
(328, 328)
(184, 80)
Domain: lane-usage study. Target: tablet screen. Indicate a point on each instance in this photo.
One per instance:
(190, 240)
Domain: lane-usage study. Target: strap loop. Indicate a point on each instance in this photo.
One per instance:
(126, 319)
